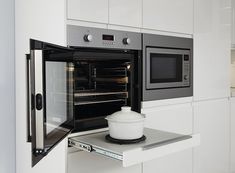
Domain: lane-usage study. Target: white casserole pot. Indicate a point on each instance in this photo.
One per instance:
(126, 124)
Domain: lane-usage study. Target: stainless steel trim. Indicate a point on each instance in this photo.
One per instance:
(90, 148)
(80, 145)
(39, 120)
(108, 153)
(85, 94)
(93, 102)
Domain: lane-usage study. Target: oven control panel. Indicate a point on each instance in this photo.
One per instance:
(78, 36)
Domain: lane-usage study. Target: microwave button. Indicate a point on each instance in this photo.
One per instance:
(186, 77)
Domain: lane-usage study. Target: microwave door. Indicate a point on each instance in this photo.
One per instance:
(51, 101)
(165, 68)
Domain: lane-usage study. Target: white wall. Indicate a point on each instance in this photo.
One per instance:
(7, 94)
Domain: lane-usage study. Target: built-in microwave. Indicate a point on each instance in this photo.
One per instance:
(167, 67)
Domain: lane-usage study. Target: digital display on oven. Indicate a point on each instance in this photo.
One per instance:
(108, 37)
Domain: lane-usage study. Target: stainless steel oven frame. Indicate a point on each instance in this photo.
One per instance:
(165, 44)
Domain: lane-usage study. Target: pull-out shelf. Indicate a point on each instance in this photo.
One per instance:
(157, 144)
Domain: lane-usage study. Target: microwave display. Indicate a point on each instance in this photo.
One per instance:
(165, 68)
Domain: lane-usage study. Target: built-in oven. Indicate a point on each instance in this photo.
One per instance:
(167, 67)
(72, 89)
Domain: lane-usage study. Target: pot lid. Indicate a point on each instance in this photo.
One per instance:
(126, 114)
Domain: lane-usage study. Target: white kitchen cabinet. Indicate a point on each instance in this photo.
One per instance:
(167, 15)
(232, 123)
(83, 162)
(211, 49)
(43, 20)
(233, 23)
(125, 13)
(211, 120)
(174, 118)
(88, 10)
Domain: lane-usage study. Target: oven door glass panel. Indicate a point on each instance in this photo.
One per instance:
(58, 99)
(51, 110)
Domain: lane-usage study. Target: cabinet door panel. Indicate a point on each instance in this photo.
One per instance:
(233, 23)
(167, 15)
(42, 20)
(88, 10)
(126, 13)
(83, 162)
(211, 49)
(174, 118)
(175, 163)
(232, 134)
(211, 121)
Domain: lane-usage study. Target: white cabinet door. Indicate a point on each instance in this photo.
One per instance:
(84, 162)
(232, 104)
(125, 13)
(88, 10)
(168, 15)
(211, 49)
(174, 118)
(233, 23)
(42, 20)
(211, 120)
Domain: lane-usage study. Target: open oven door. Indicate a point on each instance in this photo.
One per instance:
(50, 96)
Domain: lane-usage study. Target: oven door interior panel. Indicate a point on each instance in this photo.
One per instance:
(51, 97)
(157, 144)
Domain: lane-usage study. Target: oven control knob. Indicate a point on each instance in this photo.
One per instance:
(126, 41)
(185, 77)
(87, 38)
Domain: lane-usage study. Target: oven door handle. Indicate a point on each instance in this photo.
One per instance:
(38, 111)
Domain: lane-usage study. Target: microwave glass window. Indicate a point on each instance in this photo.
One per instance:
(165, 68)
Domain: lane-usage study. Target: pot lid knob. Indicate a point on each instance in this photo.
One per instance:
(126, 109)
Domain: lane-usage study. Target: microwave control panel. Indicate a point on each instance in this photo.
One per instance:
(186, 70)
